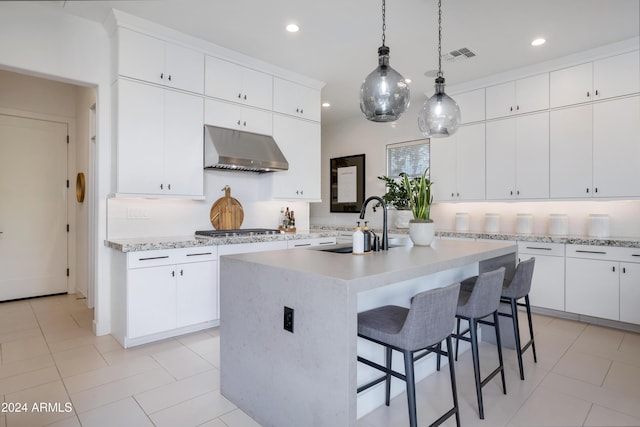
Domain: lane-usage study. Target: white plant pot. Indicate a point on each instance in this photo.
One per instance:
(402, 218)
(421, 232)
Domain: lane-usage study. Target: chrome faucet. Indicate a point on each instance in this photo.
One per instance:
(385, 238)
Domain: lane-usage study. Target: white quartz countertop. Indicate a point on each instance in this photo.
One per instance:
(380, 268)
(173, 242)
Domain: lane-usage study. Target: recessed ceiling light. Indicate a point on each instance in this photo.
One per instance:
(407, 80)
(326, 105)
(293, 28)
(538, 42)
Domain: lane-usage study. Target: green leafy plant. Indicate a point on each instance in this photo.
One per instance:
(420, 198)
(396, 195)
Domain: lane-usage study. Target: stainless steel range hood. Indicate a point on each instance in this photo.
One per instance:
(230, 149)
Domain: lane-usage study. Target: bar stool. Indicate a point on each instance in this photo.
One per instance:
(423, 326)
(481, 301)
(512, 290)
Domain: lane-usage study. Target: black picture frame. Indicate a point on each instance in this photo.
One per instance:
(347, 183)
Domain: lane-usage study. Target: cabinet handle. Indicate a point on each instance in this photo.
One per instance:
(200, 254)
(182, 272)
(302, 244)
(169, 187)
(153, 257)
(161, 186)
(457, 194)
(169, 77)
(624, 270)
(510, 108)
(326, 243)
(301, 111)
(161, 76)
(587, 191)
(539, 248)
(239, 96)
(452, 195)
(518, 192)
(613, 268)
(596, 190)
(244, 123)
(173, 273)
(239, 122)
(511, 193)
(245, 97)
(597, 92)
(635, 254)
(588, 94)
(517, 108)
(591, 252)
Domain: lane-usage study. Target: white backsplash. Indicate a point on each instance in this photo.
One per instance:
(137, 217)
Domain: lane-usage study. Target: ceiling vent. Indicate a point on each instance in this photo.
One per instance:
(458, 55)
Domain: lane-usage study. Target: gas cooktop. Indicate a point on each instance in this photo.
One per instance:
(238, 232)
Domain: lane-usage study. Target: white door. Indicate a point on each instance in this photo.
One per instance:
(33, 211)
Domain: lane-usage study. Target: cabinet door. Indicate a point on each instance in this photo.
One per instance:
(592, 288)
(299, 141)
(131, 45)
(151, 300)
(532, 156)
(140, 146)
(616, 151)
(571, 152)
(183, 157)
(442, 167)
(296, 100)
(532, 93)
(617, 75)
(500, 100)
(547, 286)
(571, 85)
(231, 116)
(470, 168)
(472, 106)
(184, 68)
(629, 292)
(500, 159)
(236, 83)
(197, 293)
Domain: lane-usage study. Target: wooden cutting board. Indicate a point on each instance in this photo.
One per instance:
(226, 212)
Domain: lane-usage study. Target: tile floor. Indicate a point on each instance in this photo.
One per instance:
(55, 372)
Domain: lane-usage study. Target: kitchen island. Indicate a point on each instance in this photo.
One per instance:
(308, 375)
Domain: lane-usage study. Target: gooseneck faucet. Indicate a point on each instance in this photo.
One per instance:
(385, 238)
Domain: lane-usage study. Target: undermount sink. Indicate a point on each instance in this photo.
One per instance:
(347, 248)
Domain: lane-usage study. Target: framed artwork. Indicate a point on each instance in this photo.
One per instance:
(347, 183)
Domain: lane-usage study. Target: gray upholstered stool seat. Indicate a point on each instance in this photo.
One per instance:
(474, 306)
(420, 328)
(512, 290)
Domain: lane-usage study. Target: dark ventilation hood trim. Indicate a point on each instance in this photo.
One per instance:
(234, 150)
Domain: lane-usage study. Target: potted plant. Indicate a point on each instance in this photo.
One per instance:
(421, 227)
(397, 197)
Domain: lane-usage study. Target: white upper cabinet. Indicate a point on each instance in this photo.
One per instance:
(472, 105)
(517, 158)
(457, 165)
(159, 141)
(233, 82)
(153, 60)
(518, 97)
(299, 141)
(605, 78)
(296, 100)
(233, 116)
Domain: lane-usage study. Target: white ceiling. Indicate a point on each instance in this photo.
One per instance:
(338, 40)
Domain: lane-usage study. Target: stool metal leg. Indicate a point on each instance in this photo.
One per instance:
(388, 376)
(516, 334)
(476, 364)
(452, 372)
(411, 387)
(499, 348)
(533, 342)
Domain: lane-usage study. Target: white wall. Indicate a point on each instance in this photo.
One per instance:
(43, 40)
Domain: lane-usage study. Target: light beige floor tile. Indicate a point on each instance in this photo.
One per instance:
(28, 380)
(547, 407)
(123, 354)
(238, 418)
(193, 412)
(630, 349)
(21, 334)
(124, 412)
(53, 395)
(27, 365)
(201, 343)
(179, 391)
(599, 416)
(64, 335)
(24, 349)
(624, 378)
(67, 422)
(78, 360)
(108, 393)
(103, 343)
(584, 367)
(214, 423)
(108, 374)
(181, 362)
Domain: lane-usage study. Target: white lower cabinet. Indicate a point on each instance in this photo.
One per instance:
(547, 286)
(169, 292)
(630, 292)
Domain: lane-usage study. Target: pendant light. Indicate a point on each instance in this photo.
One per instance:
(440, 114)
(384, 94)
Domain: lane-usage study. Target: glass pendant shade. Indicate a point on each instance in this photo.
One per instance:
(384, 94)
(440, 114)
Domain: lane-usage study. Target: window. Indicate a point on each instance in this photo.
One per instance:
(411, 157)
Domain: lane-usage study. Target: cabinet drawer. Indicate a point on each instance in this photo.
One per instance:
(604, 252)
(538, 248)
(154, 258)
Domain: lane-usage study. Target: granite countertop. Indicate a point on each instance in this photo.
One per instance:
(624, 242)
(173, 242)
